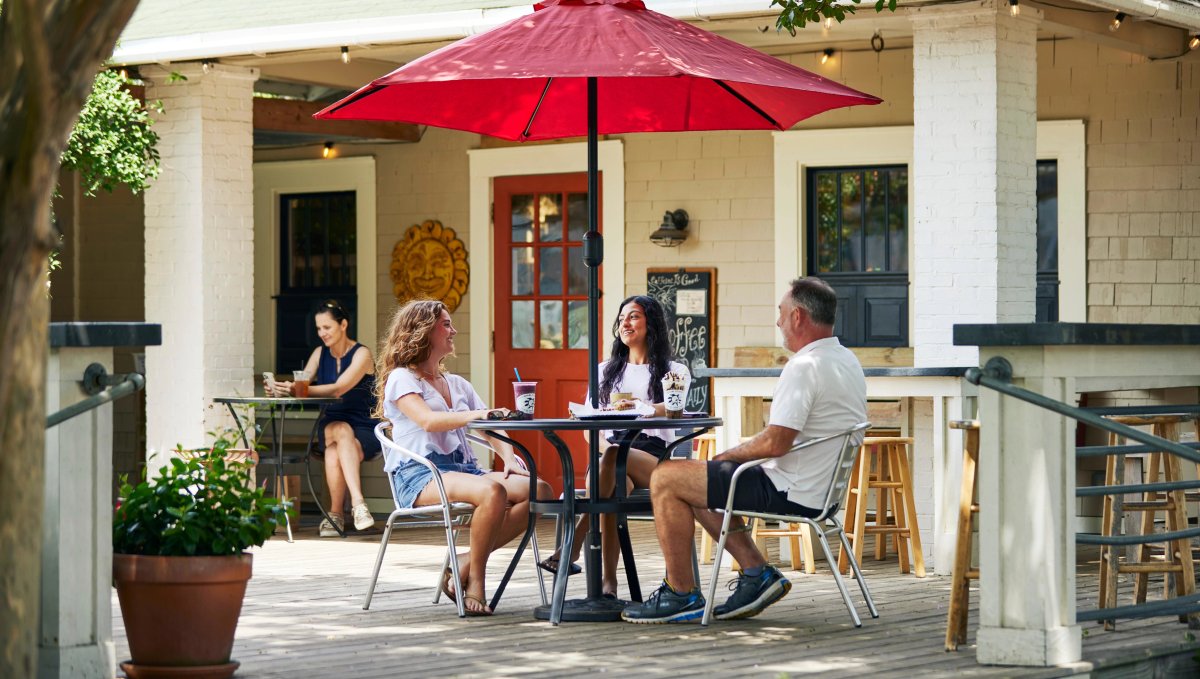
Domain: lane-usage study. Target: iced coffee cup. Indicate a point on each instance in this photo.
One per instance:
(300, 380)
(674, 394)
(525, 395)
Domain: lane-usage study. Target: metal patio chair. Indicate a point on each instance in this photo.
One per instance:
(446, 514)
(826, 524)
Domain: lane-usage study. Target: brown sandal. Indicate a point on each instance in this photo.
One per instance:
(447, 576)
(474, 614)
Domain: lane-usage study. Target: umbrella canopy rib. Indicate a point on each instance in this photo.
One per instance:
(749, 104)
(537, 107)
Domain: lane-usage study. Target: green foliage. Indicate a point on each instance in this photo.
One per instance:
(112, 142)
(196, 507)
(795, 14)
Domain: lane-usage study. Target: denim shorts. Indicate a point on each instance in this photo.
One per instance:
(412, 477)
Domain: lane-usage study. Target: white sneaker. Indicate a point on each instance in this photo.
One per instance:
(326, 528)
(362, 517)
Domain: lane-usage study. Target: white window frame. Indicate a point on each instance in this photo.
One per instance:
(274, 179)
(486, 165)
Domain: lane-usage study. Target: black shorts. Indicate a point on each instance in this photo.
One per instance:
(650, 444)
(755, 492)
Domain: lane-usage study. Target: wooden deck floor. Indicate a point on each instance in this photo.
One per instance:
(303, 617)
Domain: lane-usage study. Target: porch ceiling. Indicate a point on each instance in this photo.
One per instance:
(381, 36)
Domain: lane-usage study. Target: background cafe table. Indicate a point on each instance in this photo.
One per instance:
(280, 405)
(593, 608)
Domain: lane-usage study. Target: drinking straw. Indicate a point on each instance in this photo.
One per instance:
(517, 374)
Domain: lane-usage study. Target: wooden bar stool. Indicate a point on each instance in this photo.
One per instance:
(706, 448)
(883, 466)
(1177, 554)
(956, 619)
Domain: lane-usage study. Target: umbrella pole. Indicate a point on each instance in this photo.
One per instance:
(593, 256)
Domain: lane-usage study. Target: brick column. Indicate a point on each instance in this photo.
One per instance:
(199, 253)
(974, 172)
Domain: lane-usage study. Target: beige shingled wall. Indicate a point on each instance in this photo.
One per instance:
(1143, 176)
(724, 181)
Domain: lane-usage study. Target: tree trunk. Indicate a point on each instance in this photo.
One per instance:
(51, 50)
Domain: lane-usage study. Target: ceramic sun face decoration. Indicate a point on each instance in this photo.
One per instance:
(430, 262)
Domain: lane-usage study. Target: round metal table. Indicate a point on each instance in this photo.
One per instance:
(595, 607)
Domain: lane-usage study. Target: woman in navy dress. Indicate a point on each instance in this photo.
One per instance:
(342, 367)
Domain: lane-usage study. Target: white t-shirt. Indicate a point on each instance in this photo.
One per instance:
(409, 434)
(822, 391)
(635, 379)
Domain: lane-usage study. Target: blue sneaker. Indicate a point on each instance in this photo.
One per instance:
(752, 594)
(666, 605)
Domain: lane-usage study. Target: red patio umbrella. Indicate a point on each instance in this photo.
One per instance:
(590, 67)
(576, 67)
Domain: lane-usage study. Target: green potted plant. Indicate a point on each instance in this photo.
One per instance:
(179, 563)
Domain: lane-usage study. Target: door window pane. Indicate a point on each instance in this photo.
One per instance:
(522, 219)
(522, 271)
(827, 221)
(577, 277)
(1047, 216)
(850, 252)
(875, 220)
(320, 231)
(858, 220)
(897, 217)
(577, 325)
(577, 216)
(550, 218)
(522, 325)
(550, 281)
(551, 324)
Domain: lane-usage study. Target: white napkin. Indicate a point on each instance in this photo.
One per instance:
(583, 410)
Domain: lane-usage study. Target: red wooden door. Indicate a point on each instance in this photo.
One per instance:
(541, 303)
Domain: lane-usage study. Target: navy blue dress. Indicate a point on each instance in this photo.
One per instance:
(356, 406)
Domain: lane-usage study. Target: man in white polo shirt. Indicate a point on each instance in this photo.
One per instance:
(822, 391)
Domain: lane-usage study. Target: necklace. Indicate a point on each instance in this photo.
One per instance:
(429, 377)
(338, 359)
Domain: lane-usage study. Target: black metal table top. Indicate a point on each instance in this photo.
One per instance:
(597, 424)
(278, 400)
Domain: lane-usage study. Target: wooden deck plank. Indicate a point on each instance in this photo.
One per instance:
(303, 617)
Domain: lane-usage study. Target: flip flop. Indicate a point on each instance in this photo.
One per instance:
(476, 614)
(551, 566)
(447, 576)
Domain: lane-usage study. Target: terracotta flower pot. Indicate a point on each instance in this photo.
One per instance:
(181, 611)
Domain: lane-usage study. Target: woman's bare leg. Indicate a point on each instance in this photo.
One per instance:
(335, 479)
(491, 501)
(639, 466)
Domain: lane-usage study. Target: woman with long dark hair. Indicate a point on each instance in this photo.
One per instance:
(638, 361)
(341, 367)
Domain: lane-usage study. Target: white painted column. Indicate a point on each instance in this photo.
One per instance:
(974, 172)
(75, 635)
(199, 253)
(1026, 519)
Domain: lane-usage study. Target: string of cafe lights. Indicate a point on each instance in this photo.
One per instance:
(1014, 9)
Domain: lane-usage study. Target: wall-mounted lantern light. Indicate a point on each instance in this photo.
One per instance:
(673, 229)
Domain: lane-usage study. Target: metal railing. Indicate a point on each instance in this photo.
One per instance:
(94, 382)
(997, 375)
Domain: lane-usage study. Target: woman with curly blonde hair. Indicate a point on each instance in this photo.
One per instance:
(428, 408)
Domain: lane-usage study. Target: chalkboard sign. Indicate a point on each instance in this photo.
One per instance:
(688, 297)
